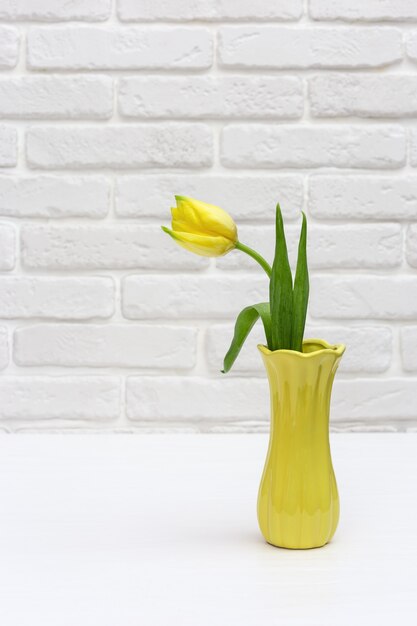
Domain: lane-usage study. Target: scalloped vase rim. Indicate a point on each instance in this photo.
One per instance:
(322, 347)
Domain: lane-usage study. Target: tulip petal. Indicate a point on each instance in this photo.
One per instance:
(207, 246)
(198, 217)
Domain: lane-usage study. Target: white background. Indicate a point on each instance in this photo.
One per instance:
(107, 110)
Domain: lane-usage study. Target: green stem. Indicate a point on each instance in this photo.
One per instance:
(255, 255)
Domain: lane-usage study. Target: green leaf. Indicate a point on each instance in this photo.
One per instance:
(301, 291)
(244, 324)
(280, 290)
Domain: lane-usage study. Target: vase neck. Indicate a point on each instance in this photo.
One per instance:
(300, 388)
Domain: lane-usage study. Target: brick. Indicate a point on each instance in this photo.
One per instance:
(413, 148)
(59, 397)
(261, 145)
(188, 296)
(408, 344)
(54, 196)
(278, 47)
(53, 11)
(374, 399)
(8, 146)
(212, 96)
(212, 10)
(411, 245)
(56, 97)
(112, 247)
(369, 11)
(363, 197)
(156, 398)
(368, 348)
(411, 43)
(7, 246)
(61, 298)
(364, 297)
(9, 47)
(328, 246)
(80, 345)
(163, 145)
(4, 347)
(104, 48)
(356, 246)
(344, 95)
(245, 197)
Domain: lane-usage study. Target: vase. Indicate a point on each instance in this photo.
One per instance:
(298, 501)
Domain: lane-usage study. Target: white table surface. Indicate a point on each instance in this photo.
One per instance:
(132, 530)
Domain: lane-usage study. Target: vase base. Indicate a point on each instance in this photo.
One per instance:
(275, 545)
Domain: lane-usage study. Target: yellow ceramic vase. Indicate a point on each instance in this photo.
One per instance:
(298, 502)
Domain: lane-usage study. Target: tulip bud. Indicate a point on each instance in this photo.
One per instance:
(202, 228)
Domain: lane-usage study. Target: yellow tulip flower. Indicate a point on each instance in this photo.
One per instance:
(202, 228)
(207, 230)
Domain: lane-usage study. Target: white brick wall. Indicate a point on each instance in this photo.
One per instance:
(369, 11)
(266, 146)
(212, 97)
(4, 347)
(356, 198)
(75, 298)
(7, 246)
(100, 48)
(130, 147)
(108, 108)
(9, 47)
(56, 97)
(216, 10)
(360, 95)
(54, 196)
(8, 146)
(76, 345)
(276, 47)
(59, 397)
(55, 10)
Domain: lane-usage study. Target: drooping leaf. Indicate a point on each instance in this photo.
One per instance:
(280, 290)
(301, 291)
(244, 324)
